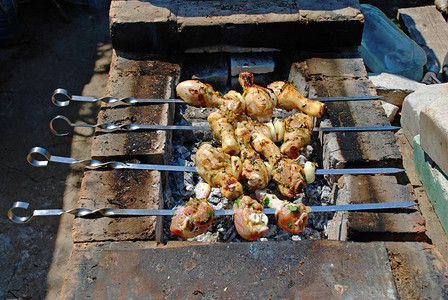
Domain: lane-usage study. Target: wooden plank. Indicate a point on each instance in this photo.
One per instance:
(428, 28)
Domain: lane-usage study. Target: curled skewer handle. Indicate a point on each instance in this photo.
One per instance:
(17, 219)
(61, 97)
(59, 132)
(36, 152)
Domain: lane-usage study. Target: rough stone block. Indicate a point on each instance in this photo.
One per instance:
(260, 64)
(139, 79)
(415, 103)
(277, 270)
(419, 270)
(394, 88)
(349, 149)
(434, 132)
(175, 25)
(337, 67)
(133, 189)
(390, 110)
(404, 225)
(434, 181)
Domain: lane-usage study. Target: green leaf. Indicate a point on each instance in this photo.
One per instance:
(266, 201)
(293, 208)
(289, 224)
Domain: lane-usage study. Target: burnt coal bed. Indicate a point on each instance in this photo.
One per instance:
(181, 184)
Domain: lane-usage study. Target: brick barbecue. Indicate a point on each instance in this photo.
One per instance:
(160, 43)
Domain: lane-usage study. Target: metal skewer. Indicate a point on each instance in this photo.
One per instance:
(134, 127)
(62, 97)
(111, 212)
(46, 157)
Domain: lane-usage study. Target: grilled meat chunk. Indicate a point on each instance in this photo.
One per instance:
(195, 216)
(289, 98)
(290, 217)
(217, 169)
(249, 219)
(260, 101)
(298, 130)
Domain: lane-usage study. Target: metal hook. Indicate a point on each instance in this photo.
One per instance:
(61, 93)
(60, 133)
(40, 152)
(16, 219)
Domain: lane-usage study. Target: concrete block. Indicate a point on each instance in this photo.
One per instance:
(408, 225)
(175, 25)
(390, 110)
(333, 77)
(139, 79)
(337, 67)
(394, 88)
(256, 64)
(419, 269)
(209, 68)
(434, 132)
(415, 103)
(434, 181)
(320, 269)
(133, 189)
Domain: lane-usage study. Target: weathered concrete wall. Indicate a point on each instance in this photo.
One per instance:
(175, 25)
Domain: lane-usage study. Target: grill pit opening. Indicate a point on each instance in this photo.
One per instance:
(181, 186)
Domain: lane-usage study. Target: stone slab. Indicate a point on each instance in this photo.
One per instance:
(401, 225)
(415, 103)
(332, 77)
(175, 25)
(258, 270)
(256, 64)
(419, 269)
(434, 132)
(393, 88)
(428, 28)
(133, 189)
(434, 181)
(210, 68)
(139, 79)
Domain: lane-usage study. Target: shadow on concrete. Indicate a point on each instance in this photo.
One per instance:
(52, 53)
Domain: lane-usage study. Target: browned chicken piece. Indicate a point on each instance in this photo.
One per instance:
(289, 98)
(249, 218)
(255, 173)
(290, 217)
(298, 130)
(260, 101)
(289, 177)
(216, 168)
(199, 94)
(223, 123)
(195, 216)
(266, 147)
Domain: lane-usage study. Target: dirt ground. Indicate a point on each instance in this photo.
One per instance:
(53, 53)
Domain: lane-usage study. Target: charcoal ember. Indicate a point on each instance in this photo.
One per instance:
(282, 236)
(307, 151)
(230, 234)
(271, 232)
(326, 195)
(320, 220)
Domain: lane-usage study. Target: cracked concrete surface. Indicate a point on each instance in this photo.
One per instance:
(53, 53)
